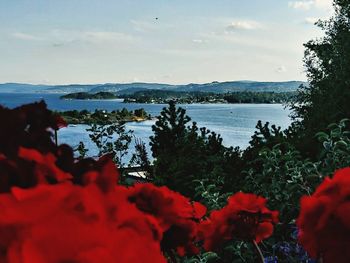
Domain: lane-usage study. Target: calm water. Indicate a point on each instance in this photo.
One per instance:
(235, 122)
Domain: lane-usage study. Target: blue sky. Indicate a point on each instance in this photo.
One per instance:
(166, 41)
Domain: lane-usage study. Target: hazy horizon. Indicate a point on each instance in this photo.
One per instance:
(163, 83)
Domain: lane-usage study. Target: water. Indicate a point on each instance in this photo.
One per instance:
(235, 122)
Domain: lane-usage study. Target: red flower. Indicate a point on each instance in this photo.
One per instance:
(69, 223)
(45, 165)
(245, 218)
(104, 173)
(176, 215)
(27, 126)
(324, 219)
(60, 122)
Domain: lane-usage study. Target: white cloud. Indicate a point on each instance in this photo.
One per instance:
(58, 38)
(304, 5)
(323, 4)
(104, 36)
(243, 25)
(311, 4)
(311, 20)
(24, 36)
(199, 41)
(167, 76)
(145, 26)
(281, 69)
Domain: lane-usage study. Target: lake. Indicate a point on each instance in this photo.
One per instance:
(235, 122)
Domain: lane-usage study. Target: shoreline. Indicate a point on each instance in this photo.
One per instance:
(103, 117)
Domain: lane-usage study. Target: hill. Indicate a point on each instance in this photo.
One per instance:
(130, 88)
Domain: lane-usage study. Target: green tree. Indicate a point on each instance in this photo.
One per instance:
(187, 157)
(326, 99)
(140, 113)
(112, 138)
(140, 157)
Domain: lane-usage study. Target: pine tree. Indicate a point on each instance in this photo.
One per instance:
(186, 155)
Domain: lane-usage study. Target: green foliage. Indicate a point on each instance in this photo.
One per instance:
(258, 97)
(264, 136)
(103, 117)
(336, 147)
(82, 150)
(111, 139)
(140, 157)
(164, 96)
(232, 252)
(88, 96)
(186, 155)
(208, 257)
(283, 177)
(210, 193)
(327, 61)
(141, 113)
(237, 252)
(168, 129)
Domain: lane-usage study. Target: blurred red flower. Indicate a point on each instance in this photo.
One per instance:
(324, 219)
(45, 165)
(63, 222)
(70, 223)
(244, 218)
(29, 126)
(177, 216)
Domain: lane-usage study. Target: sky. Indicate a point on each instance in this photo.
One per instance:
(164, 41)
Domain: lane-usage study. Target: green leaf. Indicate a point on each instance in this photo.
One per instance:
(322, 136)
(341, 144)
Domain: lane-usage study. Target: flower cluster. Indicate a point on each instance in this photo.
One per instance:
(244, 218)
(324, 219)
(54, 208)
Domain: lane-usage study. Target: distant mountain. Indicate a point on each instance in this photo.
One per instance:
(21, 88)
(237, 86)
(69, 88)
(129, 88)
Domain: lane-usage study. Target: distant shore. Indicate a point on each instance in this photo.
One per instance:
(103, 116)
(163, 97)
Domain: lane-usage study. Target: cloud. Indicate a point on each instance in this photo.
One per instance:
(27, 37)
(243, 25)
(311, 20)
(104, 36)
(143, 26)
(199, 41)
(304, 5)
(167, 76)
(323, 4)
(59, 38)
(311, 4)
(151, 25)
(281, 69)
(56, 44)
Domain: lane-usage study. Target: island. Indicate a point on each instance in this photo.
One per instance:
(103, 116)
(187, 97)
(103, 95)
(161, 97)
